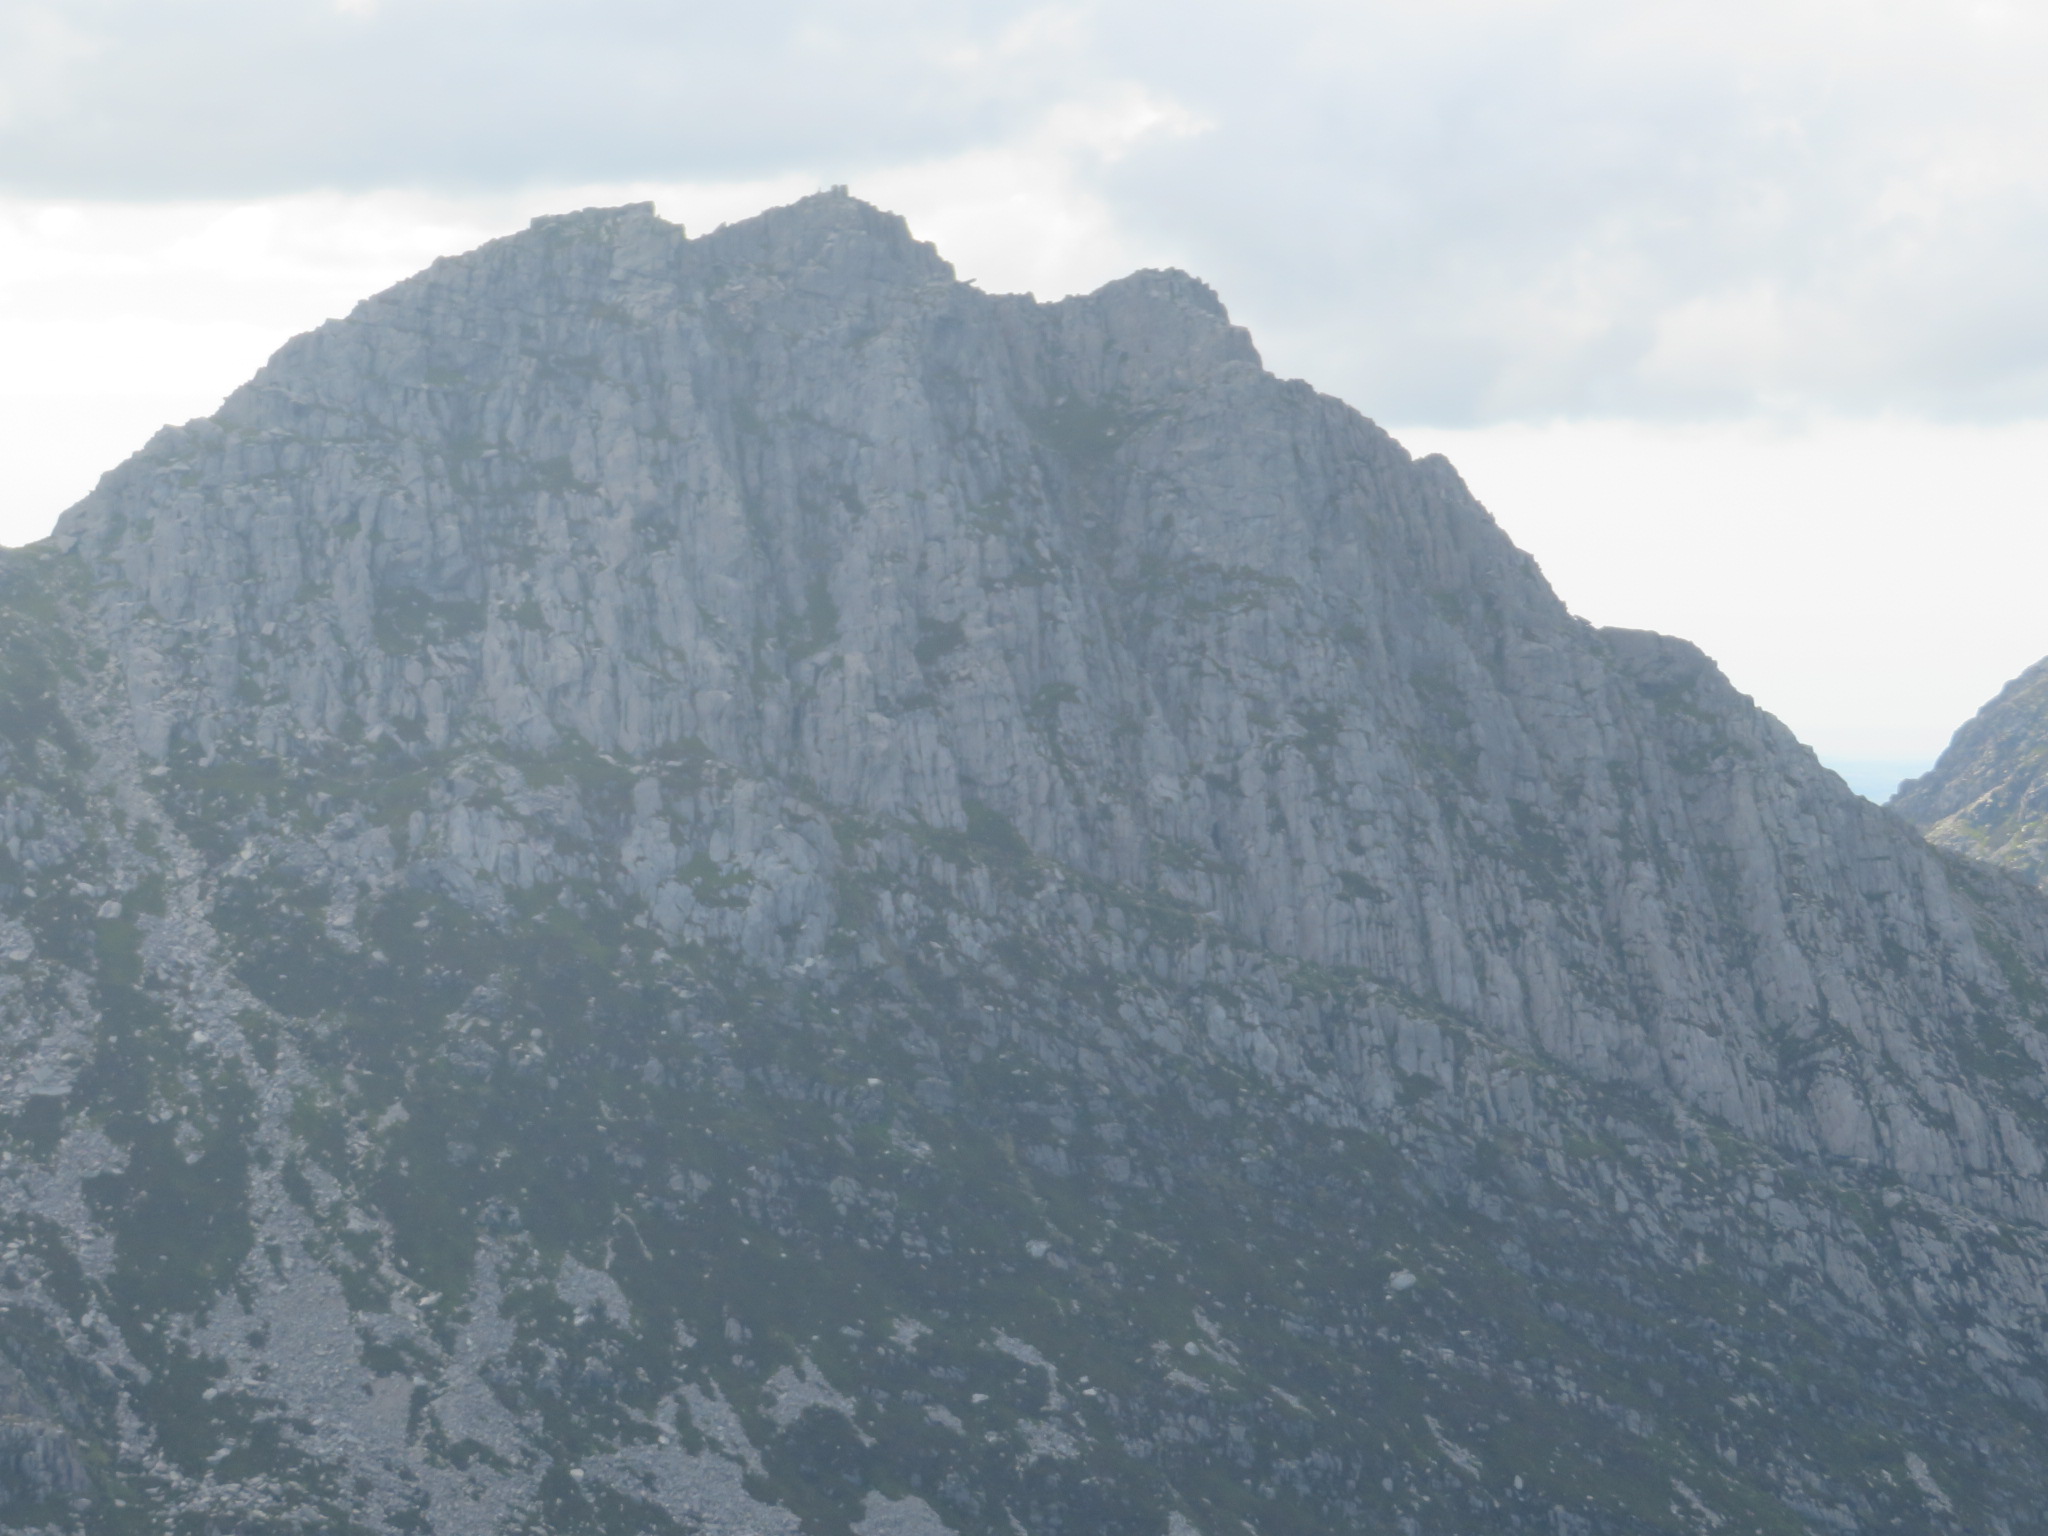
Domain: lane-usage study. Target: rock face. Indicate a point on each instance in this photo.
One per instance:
(1988, 796)
(723, 885)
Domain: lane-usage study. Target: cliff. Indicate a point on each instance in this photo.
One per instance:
(725, 885)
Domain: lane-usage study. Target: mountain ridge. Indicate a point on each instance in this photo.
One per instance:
(721, 884)
(1474, 558)
(1982, 798)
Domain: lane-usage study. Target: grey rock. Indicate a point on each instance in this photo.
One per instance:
(40, 1460)
(792, 497)
(1986, 795)
(642, 809)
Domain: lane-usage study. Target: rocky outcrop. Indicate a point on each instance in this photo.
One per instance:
(724, 882)
(794, 498)
(1986, 796)
(41, 1465)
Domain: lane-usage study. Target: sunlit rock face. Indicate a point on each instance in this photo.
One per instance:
(723, 885)
(1988, 796)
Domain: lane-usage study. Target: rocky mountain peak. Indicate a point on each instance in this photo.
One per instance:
(791, 496)
(722, 884)
(601, 223)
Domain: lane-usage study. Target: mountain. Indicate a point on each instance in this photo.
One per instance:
(722, 885)
(1987, 797)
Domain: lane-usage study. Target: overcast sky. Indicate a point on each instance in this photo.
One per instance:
(1732, 313)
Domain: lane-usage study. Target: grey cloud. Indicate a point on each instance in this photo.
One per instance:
(1454, 212)
(1474, 213)
(128, 98)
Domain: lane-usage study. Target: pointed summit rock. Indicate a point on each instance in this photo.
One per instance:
(722, 884)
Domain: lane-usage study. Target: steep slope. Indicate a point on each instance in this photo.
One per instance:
(1986, 796)
(725, 885)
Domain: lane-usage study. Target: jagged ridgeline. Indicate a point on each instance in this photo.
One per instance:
(1988, 796)
(725, 886)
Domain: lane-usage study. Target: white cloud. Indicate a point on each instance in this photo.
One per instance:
(1026, 216)
(1474, 212)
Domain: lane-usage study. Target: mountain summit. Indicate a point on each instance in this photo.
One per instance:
(722, 885)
